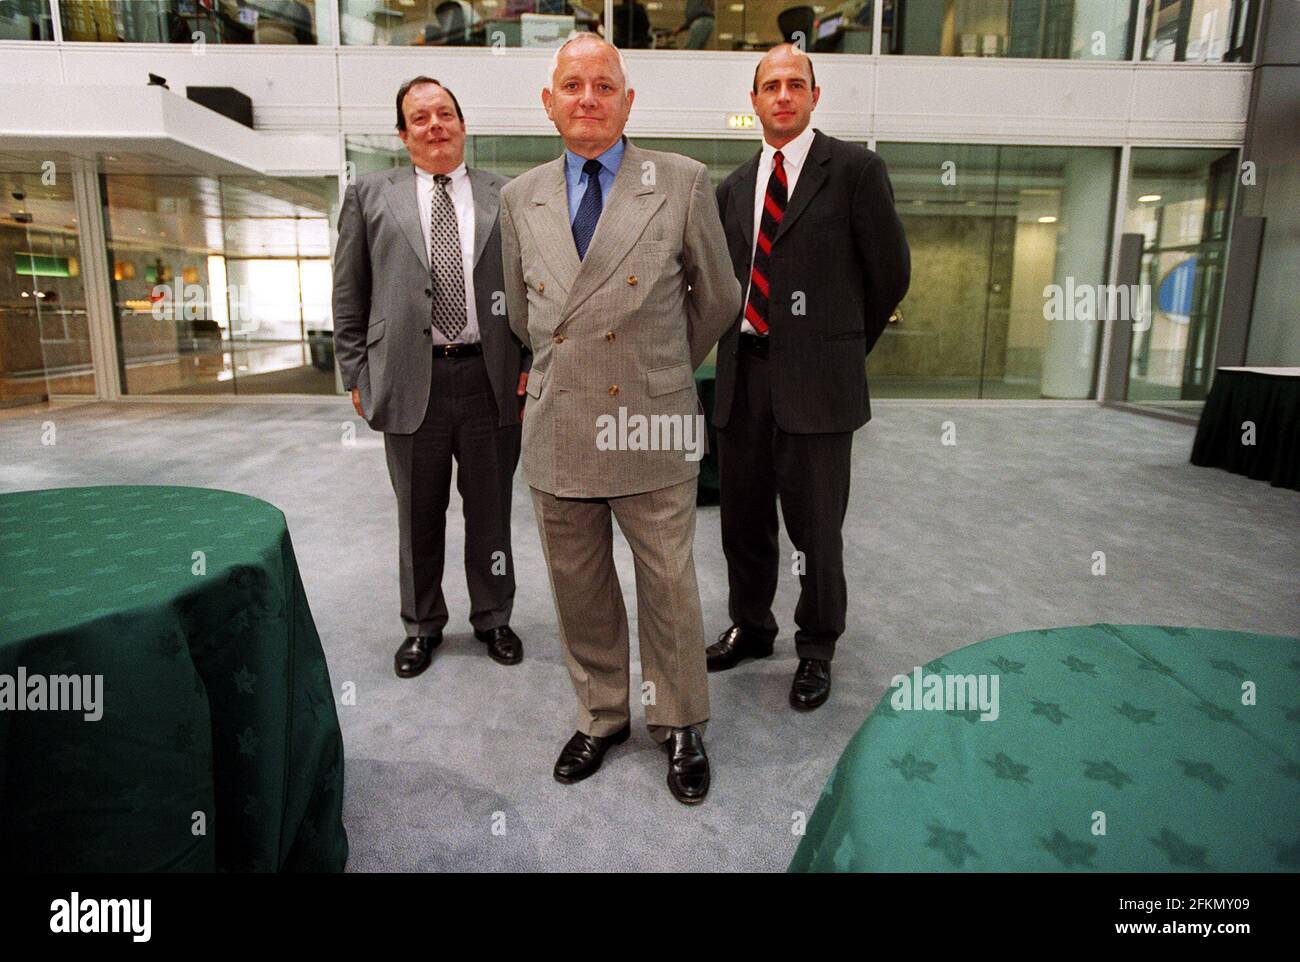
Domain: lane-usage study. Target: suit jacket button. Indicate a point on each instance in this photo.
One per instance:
(428, 292)
(558, 339)
(613, 389)
(541, 287)
(631, 279)
(426, 332)
(609, 335)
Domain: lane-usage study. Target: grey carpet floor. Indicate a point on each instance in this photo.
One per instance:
(945, 546)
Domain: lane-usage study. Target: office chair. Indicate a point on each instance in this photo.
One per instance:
(794, 20)
(449, 28)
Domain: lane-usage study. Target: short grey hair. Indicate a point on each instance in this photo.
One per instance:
(577, 36)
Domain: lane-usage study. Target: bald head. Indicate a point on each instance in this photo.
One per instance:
(785, 93)
(785, 54)
(588, 99)
(587, 43)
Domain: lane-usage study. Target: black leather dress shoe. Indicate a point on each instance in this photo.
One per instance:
(503, 645)
(415, 654)
(582, 754)
(812, 684)
(735, 645)
(688, 766)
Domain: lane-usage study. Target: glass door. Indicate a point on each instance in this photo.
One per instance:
(44, 333)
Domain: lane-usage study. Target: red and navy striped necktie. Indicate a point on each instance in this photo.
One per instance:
(773, 211)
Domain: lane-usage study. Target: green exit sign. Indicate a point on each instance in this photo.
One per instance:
(40, 265)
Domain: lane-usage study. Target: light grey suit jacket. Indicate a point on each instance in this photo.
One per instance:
(383, 299)
(623, 328)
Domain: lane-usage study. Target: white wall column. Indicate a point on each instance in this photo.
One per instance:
(1068, 356)
(95, 277)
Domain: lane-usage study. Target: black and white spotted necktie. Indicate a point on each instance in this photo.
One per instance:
(445, 263)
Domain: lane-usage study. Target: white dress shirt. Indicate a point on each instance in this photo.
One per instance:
(793, 155)
(462, 198)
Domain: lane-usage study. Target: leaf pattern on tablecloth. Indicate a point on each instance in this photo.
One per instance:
(950, 843)
(1106, 771)
(1078, 665)
(1181, 854)
(1204, 772)
(911, 767)
(1136, 715)
(1005, 767)
(1049, 710)
(1067, 851)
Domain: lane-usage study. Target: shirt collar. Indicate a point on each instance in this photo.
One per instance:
(610, 159)
(456, 175)
(795, 152)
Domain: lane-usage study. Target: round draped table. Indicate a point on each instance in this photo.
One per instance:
(1267, 399)
(217, 745)
(1138, 730)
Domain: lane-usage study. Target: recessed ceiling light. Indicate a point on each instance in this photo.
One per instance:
(1047, 219)
(1148, 198)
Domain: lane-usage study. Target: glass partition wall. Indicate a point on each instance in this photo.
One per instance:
(1180, 201)
(1192, 31)
(44, 329)
(1051, 29)
(1002, 239)
(197, 21)
(26, 20)
(1000, 236)
(635, 24)
(1200, 31)
(221, 285)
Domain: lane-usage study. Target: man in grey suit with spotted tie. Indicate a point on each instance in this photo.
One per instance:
(424, 346)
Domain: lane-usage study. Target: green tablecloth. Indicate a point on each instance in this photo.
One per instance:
(1271, 402)
(1143, 724)
(219, 746)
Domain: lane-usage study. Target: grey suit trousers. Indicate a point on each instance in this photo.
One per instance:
(461, 423)
(578, 541)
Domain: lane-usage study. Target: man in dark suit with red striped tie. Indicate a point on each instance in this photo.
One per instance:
(820, 252)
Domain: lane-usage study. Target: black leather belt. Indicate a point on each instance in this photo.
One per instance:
(457, 350)
(753, 344)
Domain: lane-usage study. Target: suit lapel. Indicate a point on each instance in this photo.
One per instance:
(403, 199)
(742, 201)
(811, 179)
(486, 190)
(549, 222)
(624, 215)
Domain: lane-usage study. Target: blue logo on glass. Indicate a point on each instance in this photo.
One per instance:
(1175, 294)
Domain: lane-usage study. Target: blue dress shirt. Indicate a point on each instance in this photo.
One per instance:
(577, 180)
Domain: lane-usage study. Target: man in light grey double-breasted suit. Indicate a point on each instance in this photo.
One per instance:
(618, 279)
(424, 345)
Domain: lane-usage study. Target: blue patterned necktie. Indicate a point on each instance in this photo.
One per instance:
(584, 224)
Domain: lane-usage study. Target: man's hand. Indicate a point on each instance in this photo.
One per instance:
(522, 391)
(356, 403)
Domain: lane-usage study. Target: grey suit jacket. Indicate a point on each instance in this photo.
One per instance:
(383, 299)
(624, 328)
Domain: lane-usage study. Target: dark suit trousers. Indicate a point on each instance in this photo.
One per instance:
(758, 464)
(460, 423)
